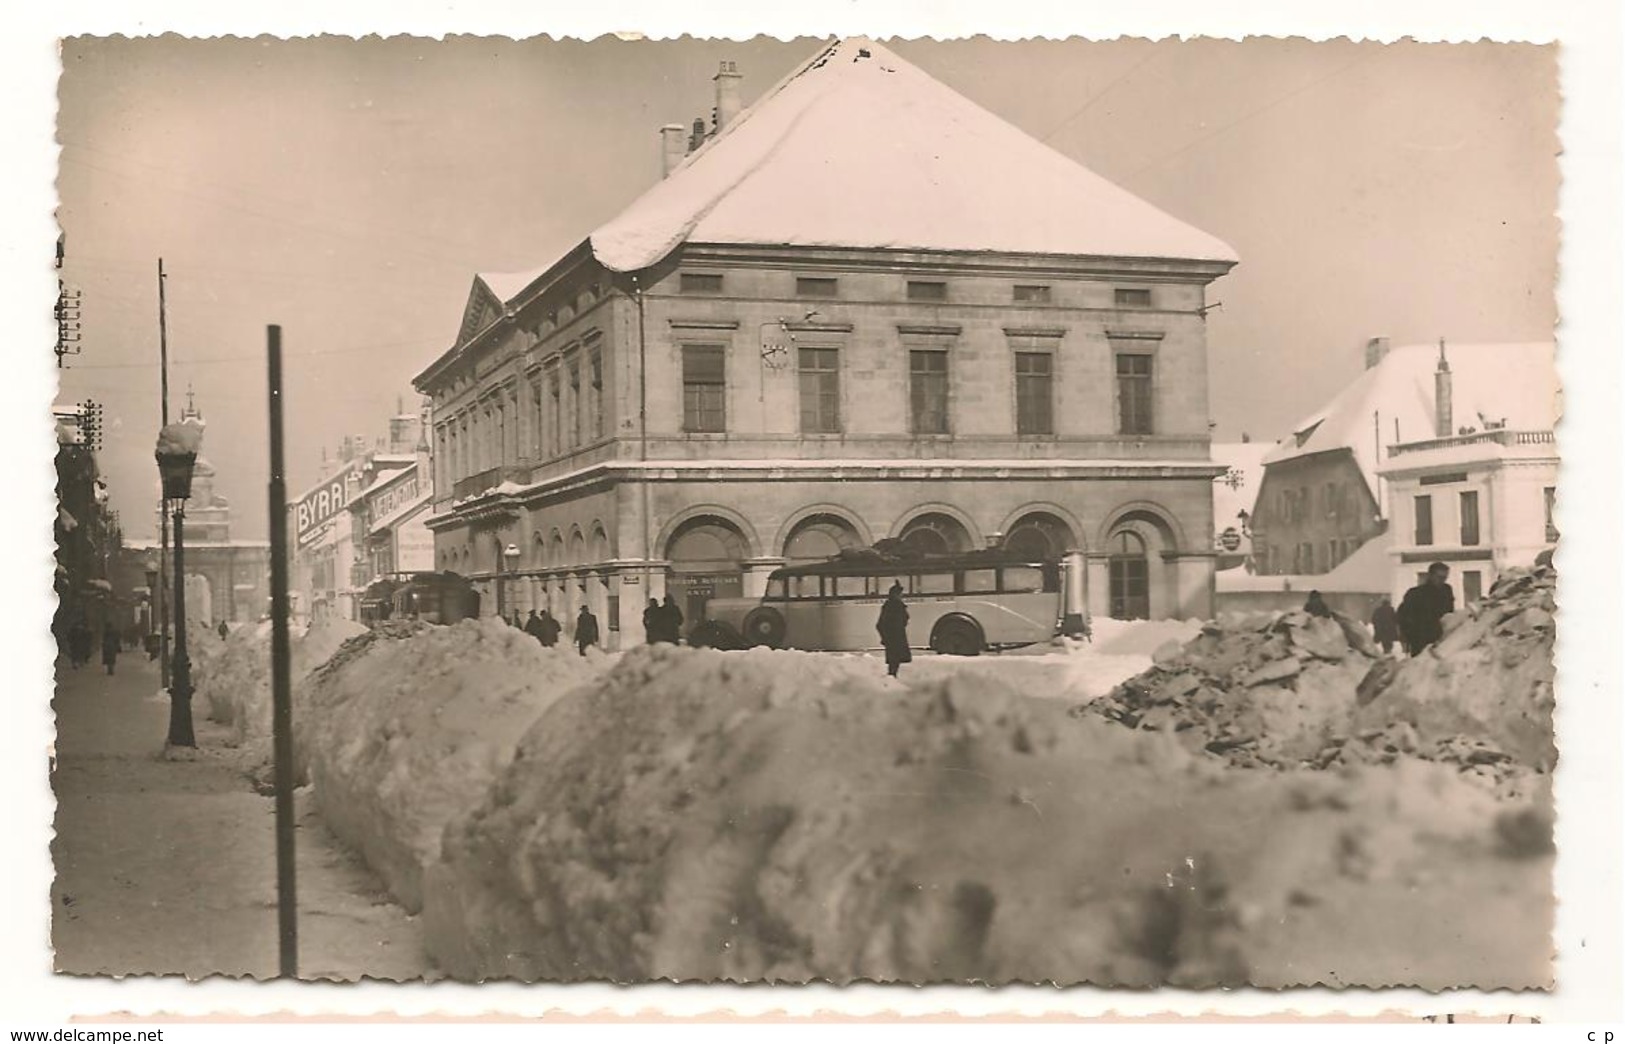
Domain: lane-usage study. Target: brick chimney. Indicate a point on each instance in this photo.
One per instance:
(672, 148)
(1376, 350)
(727, 81)
(1443, 407)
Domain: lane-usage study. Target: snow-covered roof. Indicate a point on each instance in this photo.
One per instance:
(1369, 570)
(1512, 382)
(858, 148)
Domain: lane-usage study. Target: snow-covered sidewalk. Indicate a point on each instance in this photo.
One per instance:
(168, 867)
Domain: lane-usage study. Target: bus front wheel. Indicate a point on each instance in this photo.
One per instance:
(957, 636)
(764, 626)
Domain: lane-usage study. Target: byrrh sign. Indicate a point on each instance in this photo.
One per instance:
(318, 506)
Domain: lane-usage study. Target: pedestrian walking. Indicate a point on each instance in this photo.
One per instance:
(550, 629)
(110, 647)
(79, 643)
(653, 623)
(671, 619)
(586, 630)
(1424, 607)
(1315, 605)
(533, 626)
(223, 629)
(893, 629)
(1385, 625)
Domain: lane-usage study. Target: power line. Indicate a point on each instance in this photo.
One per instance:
(1087, 105)
(1233, 124)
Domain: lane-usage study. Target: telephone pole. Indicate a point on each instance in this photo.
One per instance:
(163, 516)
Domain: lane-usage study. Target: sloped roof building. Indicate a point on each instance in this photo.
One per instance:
(864, 307)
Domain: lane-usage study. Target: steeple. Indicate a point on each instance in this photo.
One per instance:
(1443, 407)
(190, 415)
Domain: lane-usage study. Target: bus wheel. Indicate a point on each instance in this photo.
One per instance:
(764, 626)
(957, 637)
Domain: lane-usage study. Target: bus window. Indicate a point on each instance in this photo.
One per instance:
(1023, 579)
(776, 589)
(803, 587)
(979, 581)
(933, 583)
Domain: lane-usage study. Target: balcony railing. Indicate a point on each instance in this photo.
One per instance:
(490, 478)
(1497, 436)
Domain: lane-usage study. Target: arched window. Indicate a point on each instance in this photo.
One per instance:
(1129, 576)
(936, 533)
(1039, 535)
(818, 538)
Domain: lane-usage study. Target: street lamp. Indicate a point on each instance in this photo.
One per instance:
(151, 569)
(510, 558)
(178, 446)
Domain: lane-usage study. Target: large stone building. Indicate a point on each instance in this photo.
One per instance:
(1323, 495)
(864, 308)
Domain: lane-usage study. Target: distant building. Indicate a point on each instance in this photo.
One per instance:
(389, 512)
(1477, 496)
(950, 335)
(87, 532)
(227, 579)
(1323, 495)
(1235, 495)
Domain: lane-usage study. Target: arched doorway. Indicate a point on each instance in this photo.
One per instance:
(934, 533)
(1128, 577)
(1039, 535)
(707, 556)
(817, 538)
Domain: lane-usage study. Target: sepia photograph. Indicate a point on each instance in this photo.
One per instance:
(813, 510)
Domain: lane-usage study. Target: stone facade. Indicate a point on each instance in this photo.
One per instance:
(546, 439)
(1312, 512)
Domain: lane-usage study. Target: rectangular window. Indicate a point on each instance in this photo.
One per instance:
(1472, 586)
(815, 286)
(555, 430)
(699, 283)
(572, 407)
(595, 402)
(979, 581)
(1127, 298)
(928, 392)
(820, 378)
(1134, 394)
(1021, 579)
(704, 388)
(536, 419)
(1030, 294)
(1424, 521)
(613, 611)
(921, 290)
(1551, 524)
(1469, 518)
(1035, 393)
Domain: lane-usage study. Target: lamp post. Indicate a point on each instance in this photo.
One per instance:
(151, 569)
(177, 453)
(510, 558)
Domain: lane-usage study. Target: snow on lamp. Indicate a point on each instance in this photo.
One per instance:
(178, 446)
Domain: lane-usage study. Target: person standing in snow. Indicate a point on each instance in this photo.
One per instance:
(533, 626)
(586, 630)
(1385, 625)
(110, 647)
(223, 629)
(1423, 607)
(671, 620)
(550, 629)
(652, 623)
(893, 629)
(1316, 606)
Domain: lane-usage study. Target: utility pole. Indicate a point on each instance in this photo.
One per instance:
(163, 515)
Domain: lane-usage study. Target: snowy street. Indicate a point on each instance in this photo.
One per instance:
(169, 866)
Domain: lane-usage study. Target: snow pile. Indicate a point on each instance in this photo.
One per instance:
(241, 663)
(789, 816)
(1137, 637)
(237, 682)
(1487, 681)
(1259, 688)
(408, 727)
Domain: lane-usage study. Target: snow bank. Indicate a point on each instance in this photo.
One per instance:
(789, 816)
(402, 733)
(237, 681)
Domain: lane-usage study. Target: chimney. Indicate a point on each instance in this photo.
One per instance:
(1376, 350)
(671, 148)
(696, 137)
(1442, 405)
(727, 81)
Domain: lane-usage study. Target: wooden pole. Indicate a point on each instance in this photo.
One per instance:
(281, 703)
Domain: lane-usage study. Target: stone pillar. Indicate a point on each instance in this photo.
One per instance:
(1192, 581)
(1099, 573)
(754, 582)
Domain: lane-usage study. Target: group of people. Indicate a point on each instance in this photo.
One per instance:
(1419, 620)
(662, 622)
(545, 629)
(81, 643)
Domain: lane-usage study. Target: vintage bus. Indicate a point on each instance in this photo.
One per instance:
(441, 598)
(959, 604)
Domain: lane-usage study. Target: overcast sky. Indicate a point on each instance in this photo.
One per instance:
(348, 191)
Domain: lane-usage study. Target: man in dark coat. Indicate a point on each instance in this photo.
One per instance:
(1385, 625)
(893, 629)
(586, 630)
(653, 623)
(110, 648)
(533, 626)
(1316, 606)
(223, 629)
(671, 620)
(550, 629)
(1423, 607)
(79, 642)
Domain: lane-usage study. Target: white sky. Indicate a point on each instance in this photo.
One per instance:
(348, 190)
